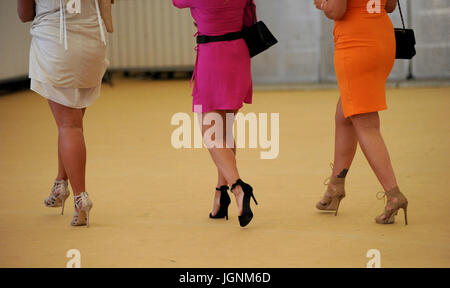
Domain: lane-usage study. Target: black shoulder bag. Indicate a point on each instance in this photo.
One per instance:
(405, 40)
(258, 37)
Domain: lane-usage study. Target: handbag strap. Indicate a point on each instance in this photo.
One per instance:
(401, 14)
(253, 8)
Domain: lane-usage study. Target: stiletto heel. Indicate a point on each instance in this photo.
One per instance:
(58, 195)
(337, 207)
(333, 196)
(247, 214)
(254, 199)
(395, 201)
(63, 204)
(224, 203)
(83, 206)
(405, 210)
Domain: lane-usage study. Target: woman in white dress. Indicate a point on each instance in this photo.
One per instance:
(67, 64)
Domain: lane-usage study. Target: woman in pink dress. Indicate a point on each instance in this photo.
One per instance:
(223, 83)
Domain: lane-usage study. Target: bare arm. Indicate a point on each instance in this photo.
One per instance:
(25, 10)
(249, 11)
(333, 9)
(390, 6)
(182, 3)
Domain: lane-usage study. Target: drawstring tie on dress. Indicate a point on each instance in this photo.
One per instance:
(63, 24)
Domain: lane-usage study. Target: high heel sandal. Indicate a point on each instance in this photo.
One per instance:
(60, 192)
(334, 195)
(83, 206)
(395, 201)
(224, 203)
(247, 213)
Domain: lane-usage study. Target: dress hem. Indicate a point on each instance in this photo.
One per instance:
(358, 112)
(45, 95)
(211, 109)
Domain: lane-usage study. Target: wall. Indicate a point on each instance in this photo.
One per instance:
(14, 42)
(151, 35)
(431, 21)
(304, 54)
(295, 58)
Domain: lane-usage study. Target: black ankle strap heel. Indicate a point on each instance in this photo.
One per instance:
(224, 203)
(223, 188)
(247, 214)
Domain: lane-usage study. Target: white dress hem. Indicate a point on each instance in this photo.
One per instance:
(78, 98)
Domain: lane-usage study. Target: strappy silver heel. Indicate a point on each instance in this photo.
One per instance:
(60, 192)
(83, 206)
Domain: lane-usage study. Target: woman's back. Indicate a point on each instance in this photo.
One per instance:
(364, 20)
(352, 4)
(363, 9)
(50, 12)
(216, 17)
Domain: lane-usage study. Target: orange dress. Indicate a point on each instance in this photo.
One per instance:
(364, 57)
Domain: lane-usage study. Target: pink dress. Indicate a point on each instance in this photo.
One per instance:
(222, 74)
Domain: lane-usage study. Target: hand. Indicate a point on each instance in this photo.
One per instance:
(318, 4)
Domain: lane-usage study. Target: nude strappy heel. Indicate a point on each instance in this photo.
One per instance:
(395, 201)
(333, 196)
(83, 206)
(60, 192)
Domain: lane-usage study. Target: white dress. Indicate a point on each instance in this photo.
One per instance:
(68, 53)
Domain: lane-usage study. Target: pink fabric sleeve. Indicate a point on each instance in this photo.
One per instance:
(248, 15)
(183, 3)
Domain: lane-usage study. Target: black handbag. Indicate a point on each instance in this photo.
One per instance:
(405, 40)
(258, 37)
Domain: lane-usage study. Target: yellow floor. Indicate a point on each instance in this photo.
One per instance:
(151, 201)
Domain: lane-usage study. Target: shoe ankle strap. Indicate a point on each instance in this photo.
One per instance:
(223, 188)
(65, 182)
(238, 182)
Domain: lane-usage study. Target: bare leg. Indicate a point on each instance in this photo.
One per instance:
(62, 174)
(367, 127)
(71, 144)
(221, 178)
(225, 160)
(345, 142)
(221, 181)
(345, 146)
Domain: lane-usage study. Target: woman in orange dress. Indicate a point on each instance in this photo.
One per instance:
(364, 57)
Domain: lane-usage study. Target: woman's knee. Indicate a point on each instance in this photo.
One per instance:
(339, 116)
(71, 120)
(366, 121)
(214, 129)
(341, 120)
(66, 116)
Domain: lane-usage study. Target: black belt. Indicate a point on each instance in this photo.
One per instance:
(202, 39)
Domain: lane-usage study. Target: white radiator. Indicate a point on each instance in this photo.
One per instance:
(151, 35)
